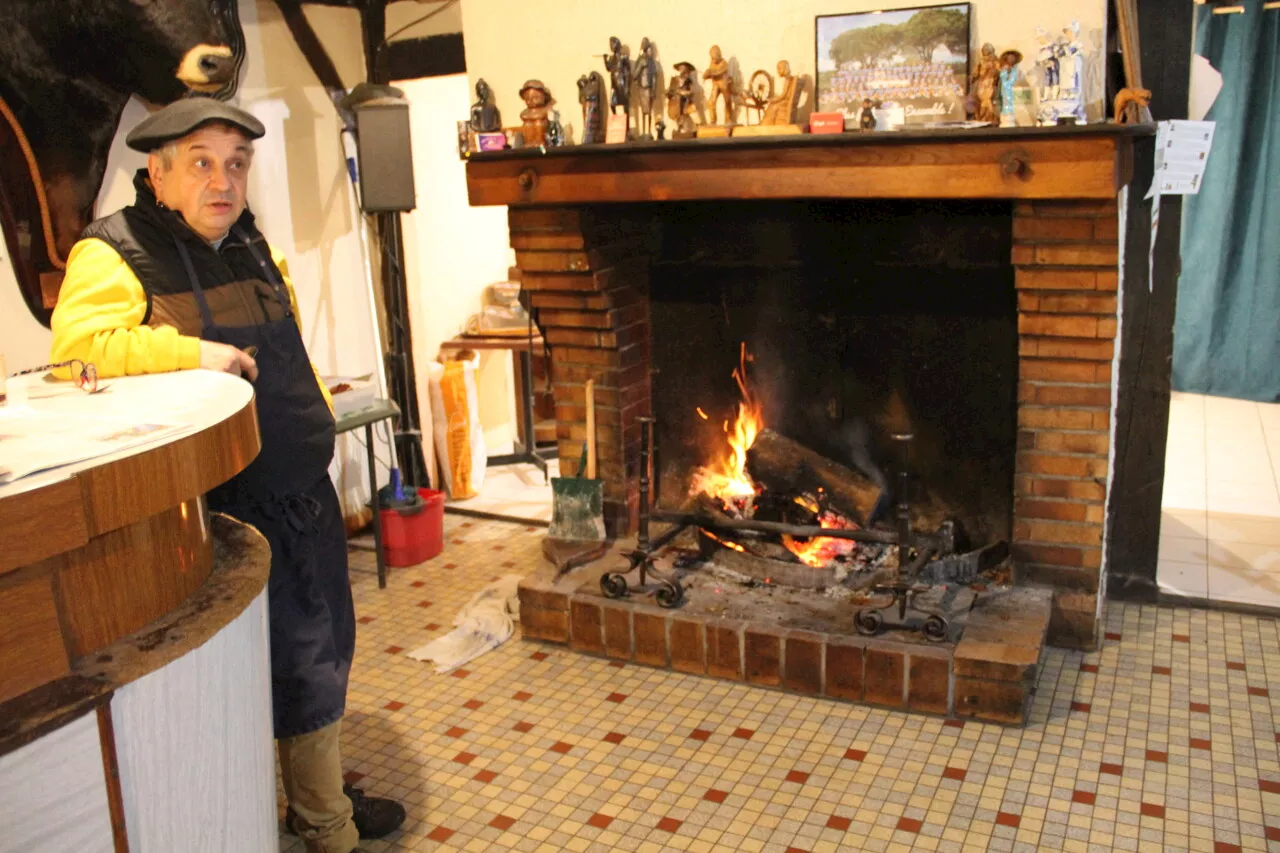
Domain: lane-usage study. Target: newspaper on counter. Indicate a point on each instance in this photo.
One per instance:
(32, 441)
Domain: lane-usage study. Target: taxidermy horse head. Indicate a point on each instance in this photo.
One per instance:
(67, 70)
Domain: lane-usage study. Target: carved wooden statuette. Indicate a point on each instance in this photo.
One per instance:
(590, 94)
(721, 86)
(534, 117)
(867, 121)
(484, 115)
(647, 82)
(618, 64)
(986, 80)
(680, 101)
(777, 114)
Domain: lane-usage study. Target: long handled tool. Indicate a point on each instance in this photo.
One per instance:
(577, 509)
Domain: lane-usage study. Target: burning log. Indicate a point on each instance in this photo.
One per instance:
(783, 464)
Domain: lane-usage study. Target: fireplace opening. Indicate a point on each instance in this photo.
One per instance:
(846, 326)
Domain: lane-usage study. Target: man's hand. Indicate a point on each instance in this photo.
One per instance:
(227, 359)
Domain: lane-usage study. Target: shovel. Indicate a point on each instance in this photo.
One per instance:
(577, 503)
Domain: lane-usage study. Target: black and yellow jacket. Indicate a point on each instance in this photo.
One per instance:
(126, 304)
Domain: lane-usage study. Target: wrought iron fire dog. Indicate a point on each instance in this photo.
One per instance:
(935, 562)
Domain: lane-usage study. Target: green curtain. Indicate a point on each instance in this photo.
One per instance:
(1227, 331)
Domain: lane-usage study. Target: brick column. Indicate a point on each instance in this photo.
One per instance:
(1066, 257)
(587, 274)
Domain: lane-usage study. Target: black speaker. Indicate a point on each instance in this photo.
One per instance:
(386, 156)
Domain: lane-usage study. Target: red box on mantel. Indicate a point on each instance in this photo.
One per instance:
(826, 123)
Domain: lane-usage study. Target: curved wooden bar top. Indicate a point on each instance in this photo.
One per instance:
(93, 552)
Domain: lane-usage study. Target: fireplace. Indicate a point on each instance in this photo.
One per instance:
(960, 286)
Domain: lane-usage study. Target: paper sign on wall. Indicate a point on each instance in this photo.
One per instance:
(1182, 152)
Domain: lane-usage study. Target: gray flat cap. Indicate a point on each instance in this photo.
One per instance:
(181, 117)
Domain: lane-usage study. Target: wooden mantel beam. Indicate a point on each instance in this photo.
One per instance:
(1019, 163)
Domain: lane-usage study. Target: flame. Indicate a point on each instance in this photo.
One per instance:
(725, 542)
(728, 479)
(701, 413)
(820, 550)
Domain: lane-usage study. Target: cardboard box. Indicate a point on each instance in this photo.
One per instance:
(826, 123)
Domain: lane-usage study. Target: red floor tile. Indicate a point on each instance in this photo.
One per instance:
(1201, 743)
(715, 796)
(703, 734)
(745, 734)
(1157, 756)
(460, 673)
(1235, 665)
(1088, 667)
(522, 696)
(1199, 708)
(669, 824)
(616, 697)
(1273, 833)
(859, 754)
(440, 834)
(1111, 635)
(509, 564)
(954, 724)
(449, 566)
(957, 773)
(466, 524)
(1268, 786)
(1085, 797)
(456, 732)
(561, 747)
(798, 776)
(502, 822)
(432, 626)
(485, 776)
(1161, 670)
(1224, 847)
(465, 757)
(599, 821)
(394, 650)
(1112, 769)
(352, 777)
(539, 656)
(837, 822)
(473, 705)
(615, 737)
(908, 824)
(1009, 819)
(617, 664)
(797, 850)
(1181, 638)
(393, 706)
(1081, 706)
(1259, 691)
(418, 584)
(1152, 810)
(365, 620)
(424, 603)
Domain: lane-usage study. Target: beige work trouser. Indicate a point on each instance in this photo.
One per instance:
(311, 769)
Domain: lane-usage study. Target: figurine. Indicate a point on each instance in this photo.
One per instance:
(555, 131)
(680, 101)
(721, 86)
(986, 77)
(1009, 61)
(536, 98)
(590, 94)
(646, 80)
(1047, 59)
(867, 121)
(618, 64)
(781, 108)
(484, 115)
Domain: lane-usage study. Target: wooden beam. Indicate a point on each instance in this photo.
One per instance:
(309, 43)
(373, 26)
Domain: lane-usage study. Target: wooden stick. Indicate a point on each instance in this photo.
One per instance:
(591, 429)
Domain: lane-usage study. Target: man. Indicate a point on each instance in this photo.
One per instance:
(183, 279)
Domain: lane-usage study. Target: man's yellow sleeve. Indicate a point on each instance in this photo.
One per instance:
(283, 266)
(99, 319)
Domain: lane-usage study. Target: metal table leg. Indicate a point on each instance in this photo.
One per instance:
(373, 501)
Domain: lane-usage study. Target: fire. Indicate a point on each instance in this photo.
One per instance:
(820, 550)
(728, 479)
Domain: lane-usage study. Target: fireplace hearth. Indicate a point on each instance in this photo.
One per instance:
(960, 287)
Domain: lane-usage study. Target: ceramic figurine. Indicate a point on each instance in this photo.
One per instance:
(1047, 59)
(590, 94)
(484, 115)
(867, 121)
(986, 79)
(534, 117)
(721, 86)
(680, 101)
(781, 108)
(618, 64)
(645, 77)
(555, 130)
(1009, 62)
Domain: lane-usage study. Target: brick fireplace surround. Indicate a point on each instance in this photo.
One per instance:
(581, 226)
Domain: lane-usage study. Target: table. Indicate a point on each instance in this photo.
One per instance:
(381, 410)
(526, 445)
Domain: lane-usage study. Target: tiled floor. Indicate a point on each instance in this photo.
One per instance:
(1220, 536)
(1164, 740)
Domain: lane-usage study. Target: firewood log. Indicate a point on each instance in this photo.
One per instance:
(780, 463)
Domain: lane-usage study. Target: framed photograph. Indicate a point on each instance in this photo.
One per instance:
(912, 64)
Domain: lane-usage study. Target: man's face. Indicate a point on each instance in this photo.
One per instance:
(206, 180)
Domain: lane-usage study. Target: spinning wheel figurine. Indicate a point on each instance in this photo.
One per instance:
(758, 93)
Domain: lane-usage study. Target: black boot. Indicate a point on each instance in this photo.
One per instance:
(374, 817)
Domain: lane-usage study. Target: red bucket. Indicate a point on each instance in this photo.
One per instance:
(414, 535)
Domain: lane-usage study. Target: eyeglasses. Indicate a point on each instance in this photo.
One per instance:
(84, 374)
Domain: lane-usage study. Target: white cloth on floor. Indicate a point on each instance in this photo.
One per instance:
(484, 623)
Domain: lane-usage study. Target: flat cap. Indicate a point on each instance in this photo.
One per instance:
(182, 117)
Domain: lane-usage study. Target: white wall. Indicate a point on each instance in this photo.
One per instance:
(452, 250)
(557, 41)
